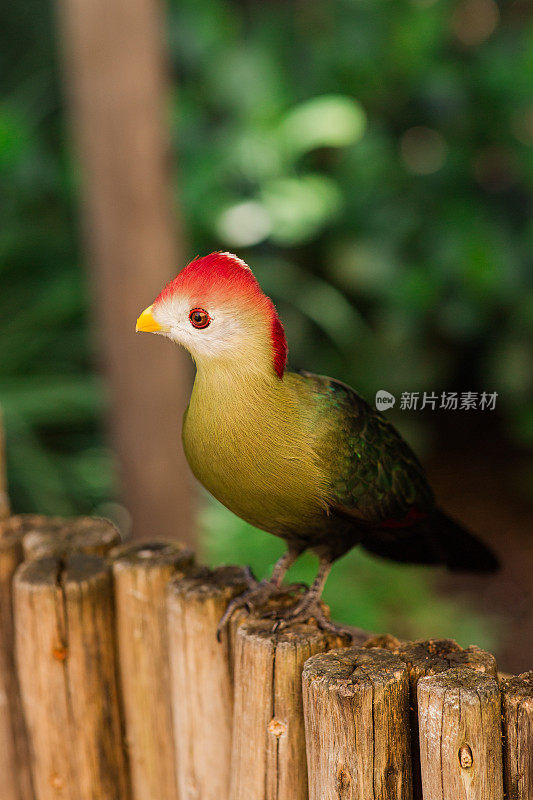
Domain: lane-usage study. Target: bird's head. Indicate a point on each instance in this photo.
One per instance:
(216, 309)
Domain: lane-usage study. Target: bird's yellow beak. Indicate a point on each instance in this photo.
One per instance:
(146, 323)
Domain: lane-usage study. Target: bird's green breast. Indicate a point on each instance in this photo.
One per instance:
(251, 442)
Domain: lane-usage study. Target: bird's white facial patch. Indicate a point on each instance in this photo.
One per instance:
(228, 330)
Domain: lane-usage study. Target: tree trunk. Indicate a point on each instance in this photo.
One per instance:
(117, 89)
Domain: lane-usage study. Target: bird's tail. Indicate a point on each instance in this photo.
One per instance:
(461, 550)
(436, 539)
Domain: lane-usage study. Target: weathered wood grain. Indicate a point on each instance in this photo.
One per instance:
(89, 535)
(429, 657)
(42, 536)
(357, 725)
(65, 646)
(460, 736)
(141, 572)
(21, 524)
(202, 680)
(268, 756)
(15, 773)
(517, 717)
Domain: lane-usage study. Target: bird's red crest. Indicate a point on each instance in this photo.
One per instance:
(224, 275)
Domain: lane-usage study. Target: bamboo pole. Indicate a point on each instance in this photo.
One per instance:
(201, 680)
(460, 736)
(517, 717)
(141, 572)
(14, 752)
(429, 657)
(66, 661)
(89, 535)
(268, 755)
(356, 712)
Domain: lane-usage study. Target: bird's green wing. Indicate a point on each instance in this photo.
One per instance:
(374, 474)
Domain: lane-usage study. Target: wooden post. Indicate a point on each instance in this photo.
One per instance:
(90, 535)
(460, 736)
(357, 725)
(430, 657)
(118, 92)
(268, 758)
(4, 496)
(43, 536)
(141, 573)
(438, 655)
(14, 752)
(65, 648)
(517, 716)
(21, 524)
(202, 681)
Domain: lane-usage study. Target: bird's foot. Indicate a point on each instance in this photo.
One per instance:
(255, 597)
(308, 608)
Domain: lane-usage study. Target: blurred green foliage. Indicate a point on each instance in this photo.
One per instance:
(373, 162)
(51, 398)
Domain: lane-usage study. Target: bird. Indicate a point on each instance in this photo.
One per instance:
(299, 455)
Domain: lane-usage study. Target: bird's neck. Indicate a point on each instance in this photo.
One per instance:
(248, 432)
(237, 420)
(230, 387)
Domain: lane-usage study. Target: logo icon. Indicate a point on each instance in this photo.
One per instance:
(384, 400)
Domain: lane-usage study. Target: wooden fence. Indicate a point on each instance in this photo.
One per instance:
(114, 687)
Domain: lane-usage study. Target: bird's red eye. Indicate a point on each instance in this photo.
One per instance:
(199, 318)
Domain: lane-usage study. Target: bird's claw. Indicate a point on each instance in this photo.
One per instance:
(305, 611)
(250, 578)
(285, 595)
(256, 596)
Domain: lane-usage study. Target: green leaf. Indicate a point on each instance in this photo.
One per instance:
(328, 121)
(299, 207)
